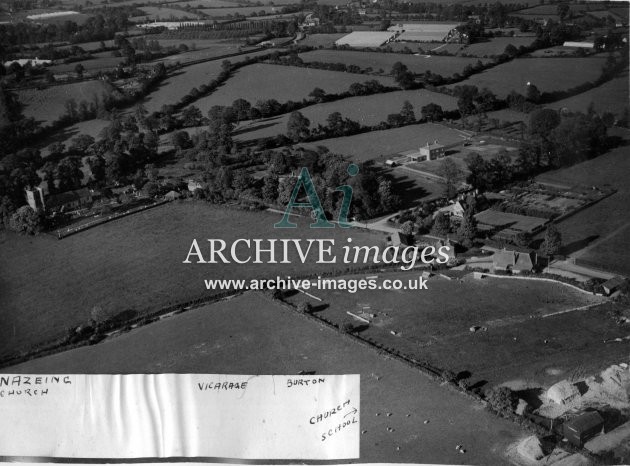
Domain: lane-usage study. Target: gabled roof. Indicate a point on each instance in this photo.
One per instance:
(585, 422)
(504, 259)
(614, 283)
(524, 261)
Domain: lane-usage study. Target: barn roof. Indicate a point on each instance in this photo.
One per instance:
(585, 422)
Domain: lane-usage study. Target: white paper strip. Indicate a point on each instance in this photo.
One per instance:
(180, 415)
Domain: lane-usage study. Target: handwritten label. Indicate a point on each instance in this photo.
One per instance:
(180, 415)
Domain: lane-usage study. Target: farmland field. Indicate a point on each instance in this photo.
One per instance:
(242, 11)
(382, 144)
(602, 228)
(317, 40)
(495, 46)
(177, 85)
(283, 83)
(365, 38)
(206, 3)
(445, 66)
(219, 338)
(131, 263)
(165, 14)
(48, 105)
(219, 49)
(101, 61)
(611, 96)
(433, 325)
(367, 110)
(541, 72)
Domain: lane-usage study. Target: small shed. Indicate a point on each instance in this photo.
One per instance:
(613, 284)
(583, 428)
(563, 392)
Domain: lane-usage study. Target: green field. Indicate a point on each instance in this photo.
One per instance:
(251, 335)
(158, 13)
(611, 96)
(283, 83)
(542, 72)
(602, 228)
(495, 46)
(100, 62)
(318, 40)
(131, 263)
(48, 105)
(382, 144)
(433, 325)
(446, 66)
(367, 110)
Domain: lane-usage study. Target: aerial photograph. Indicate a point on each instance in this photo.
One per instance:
(431, 194)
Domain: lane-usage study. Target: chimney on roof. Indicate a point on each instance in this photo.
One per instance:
(427, 143)
(435, 142)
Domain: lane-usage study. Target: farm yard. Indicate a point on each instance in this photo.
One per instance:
(433, 325)
(382, 144)
(611, 96)
(261, 81)
(218, 339)
(367, 110)
(140, 257)
(446, 66)
(541, 72)
(49, 104)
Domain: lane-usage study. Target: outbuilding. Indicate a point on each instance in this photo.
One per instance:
(582, 428)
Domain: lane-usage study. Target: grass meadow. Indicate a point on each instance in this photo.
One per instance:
(48, 286)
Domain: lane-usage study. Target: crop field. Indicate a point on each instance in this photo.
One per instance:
(283, 83)
(165, 14)
(433, 325)
(599, 233)
(252, 335)
(219, 49)
(611, 96)
(541, 72)
(321, 40)
(382, 144)
(48, 105)
(446, 66)
(133, 263)
(365, 38)
(367, 110)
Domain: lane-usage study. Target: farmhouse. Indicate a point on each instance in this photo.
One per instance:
(430, 151)
(23, 61)
(513, 261)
